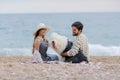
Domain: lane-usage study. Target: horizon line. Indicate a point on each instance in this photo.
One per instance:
(60, 12)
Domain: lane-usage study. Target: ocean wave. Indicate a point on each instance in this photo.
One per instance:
(16, 52)
(21, 51)
(100, 50)
(94, 50)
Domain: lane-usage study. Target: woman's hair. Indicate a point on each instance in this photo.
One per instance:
(37, 33)
(35, 36)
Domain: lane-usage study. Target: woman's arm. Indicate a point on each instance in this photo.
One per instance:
(36, 45)
(37, 55)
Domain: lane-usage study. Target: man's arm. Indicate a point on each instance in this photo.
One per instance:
(74, 50)
(64, 54)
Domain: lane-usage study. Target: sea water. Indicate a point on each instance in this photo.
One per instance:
(102, 30)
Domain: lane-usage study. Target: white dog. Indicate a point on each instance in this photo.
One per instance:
(59, 44)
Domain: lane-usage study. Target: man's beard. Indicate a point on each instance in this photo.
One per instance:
(76, 34)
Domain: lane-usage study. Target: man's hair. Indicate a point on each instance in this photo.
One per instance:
(78, 25)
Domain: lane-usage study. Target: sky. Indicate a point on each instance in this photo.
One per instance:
(53, 6)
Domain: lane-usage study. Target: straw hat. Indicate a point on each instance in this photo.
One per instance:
(41, 26)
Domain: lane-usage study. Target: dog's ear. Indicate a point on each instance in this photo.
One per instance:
(53, 45)
(53, 42)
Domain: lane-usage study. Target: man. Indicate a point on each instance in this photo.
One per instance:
(79, 50)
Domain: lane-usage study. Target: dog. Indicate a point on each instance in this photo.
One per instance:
(62, 44)
(59, 44)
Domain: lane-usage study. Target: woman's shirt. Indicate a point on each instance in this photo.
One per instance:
(42, 47)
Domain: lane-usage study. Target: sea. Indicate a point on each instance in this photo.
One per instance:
(102, 30)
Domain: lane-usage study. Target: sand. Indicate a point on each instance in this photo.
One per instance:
(21, 68)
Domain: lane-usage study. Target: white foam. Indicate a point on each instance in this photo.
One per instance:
(16, 52)
(22, 51)
(94, 50)
(100, 50)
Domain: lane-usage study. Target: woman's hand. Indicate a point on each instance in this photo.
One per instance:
(46, 40)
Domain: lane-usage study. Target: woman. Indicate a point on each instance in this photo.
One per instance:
(40, 45)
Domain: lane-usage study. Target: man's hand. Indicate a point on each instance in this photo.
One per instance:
(64, 54)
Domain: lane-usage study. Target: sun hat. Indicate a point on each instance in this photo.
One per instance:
(41, 26)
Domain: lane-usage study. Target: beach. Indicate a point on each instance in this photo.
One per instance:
(22, 68)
